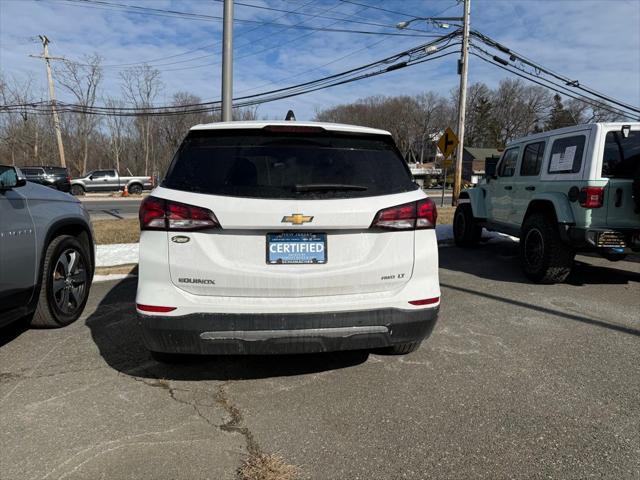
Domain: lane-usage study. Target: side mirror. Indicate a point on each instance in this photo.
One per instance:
(11, 177)
(490, 169)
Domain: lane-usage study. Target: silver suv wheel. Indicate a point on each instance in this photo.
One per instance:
(69, 281)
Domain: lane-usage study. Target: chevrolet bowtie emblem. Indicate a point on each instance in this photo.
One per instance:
(297, 219)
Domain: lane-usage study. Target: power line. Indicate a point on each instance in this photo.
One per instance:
(395, 12)
(487, 57)
(273, 9)
(413, 56)
(202, 47)
(266, 49)
(366, 47)
(569, 82)
(199, 16)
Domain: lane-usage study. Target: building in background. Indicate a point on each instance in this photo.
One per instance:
(474, 161)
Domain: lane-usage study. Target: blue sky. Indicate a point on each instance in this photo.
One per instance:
(597, 42)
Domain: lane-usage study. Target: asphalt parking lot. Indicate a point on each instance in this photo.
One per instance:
(517, 381)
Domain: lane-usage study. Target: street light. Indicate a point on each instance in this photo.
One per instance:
(441, 22)
(462, 71)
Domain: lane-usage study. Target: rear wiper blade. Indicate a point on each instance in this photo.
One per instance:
(322, 187)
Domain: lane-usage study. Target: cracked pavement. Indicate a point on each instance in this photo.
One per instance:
(517, 381)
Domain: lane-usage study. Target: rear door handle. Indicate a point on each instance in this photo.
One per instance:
(531, 188)
(508, 187)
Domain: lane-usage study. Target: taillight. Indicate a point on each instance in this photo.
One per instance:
(154, 308)
(425, 301)
(591, 197)
(159, 214)
(409, 216)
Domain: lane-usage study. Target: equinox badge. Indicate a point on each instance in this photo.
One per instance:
(297, 219)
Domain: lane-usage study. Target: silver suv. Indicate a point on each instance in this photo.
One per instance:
(46, 253)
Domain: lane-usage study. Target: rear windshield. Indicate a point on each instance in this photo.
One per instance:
(261, 164)
(621, 155)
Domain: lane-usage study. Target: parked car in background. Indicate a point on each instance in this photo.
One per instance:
(576, 189)
(55, 177)
(287, 237)
(109, 181)
(46, 253)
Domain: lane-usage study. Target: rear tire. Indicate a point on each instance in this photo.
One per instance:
(543, 255)
(135, 189)
(77, 190)
(466, 233)
(404, 348)
(65, 283)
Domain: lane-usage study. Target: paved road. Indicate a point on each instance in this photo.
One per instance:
(106, 208)
(518, 381)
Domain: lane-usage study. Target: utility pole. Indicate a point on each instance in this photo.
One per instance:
(462, 101)
(52, 94)
(227, 62)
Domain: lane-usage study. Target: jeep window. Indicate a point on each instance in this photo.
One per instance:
(532, 159)
(621, 155)
(264, 164)
(566, 155)
(507, 166)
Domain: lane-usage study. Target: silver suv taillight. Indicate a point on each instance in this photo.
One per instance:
(160, 214)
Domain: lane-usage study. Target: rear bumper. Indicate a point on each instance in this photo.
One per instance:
(241, 334)
(625, 240)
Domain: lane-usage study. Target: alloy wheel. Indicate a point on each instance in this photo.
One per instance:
(534, 248)
(69, 281)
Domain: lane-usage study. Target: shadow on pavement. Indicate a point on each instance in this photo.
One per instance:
(549, 311)
(498, 261)
(10, 332)
(115, 331)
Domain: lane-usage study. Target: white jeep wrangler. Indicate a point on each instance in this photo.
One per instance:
(561, 192)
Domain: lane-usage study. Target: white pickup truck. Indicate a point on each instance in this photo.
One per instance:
(109, 181)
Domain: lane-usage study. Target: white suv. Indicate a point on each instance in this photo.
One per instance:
(287, 237)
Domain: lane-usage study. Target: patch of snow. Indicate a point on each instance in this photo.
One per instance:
(112, 276)
(444, 233)
(116, 254)
(445, 236)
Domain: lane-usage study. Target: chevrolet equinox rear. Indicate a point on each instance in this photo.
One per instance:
(287, 237)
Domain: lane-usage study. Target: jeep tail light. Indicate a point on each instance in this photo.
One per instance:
(160, 214)
(409, 216)
(591, 197)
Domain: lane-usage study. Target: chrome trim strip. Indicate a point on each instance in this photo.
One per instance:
(258, 335)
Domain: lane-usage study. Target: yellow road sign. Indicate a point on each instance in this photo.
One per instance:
(448, 142)
(448, 163)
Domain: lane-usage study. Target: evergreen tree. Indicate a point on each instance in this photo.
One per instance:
(559, 116)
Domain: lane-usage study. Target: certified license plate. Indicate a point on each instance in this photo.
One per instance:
(296, 248)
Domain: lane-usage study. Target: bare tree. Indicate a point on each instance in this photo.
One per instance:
(117, 127)
(82, 80)
(140, 86)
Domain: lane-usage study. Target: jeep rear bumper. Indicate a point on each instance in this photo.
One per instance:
(240, 334)
(625, 240)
